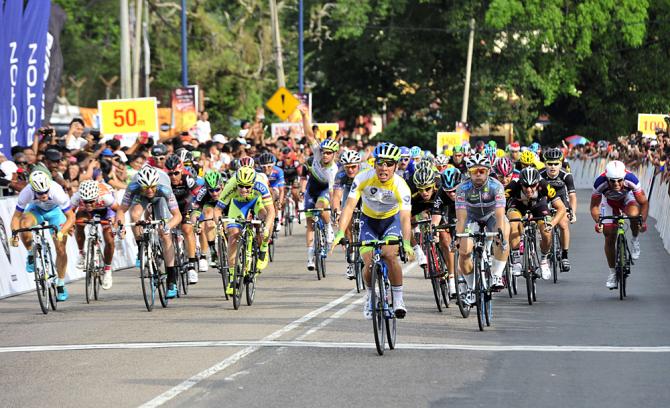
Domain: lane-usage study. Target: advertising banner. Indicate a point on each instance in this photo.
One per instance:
(450, 139)
(647, 123)
(128, 117)
(184, 109)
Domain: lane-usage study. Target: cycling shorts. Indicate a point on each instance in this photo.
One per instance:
(242, 209)
(311, 200)
(539, 210)
(380, 229)
(159, 206)
(54, 216)
(615, 207)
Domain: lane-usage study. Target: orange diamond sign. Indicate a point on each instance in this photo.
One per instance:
(282, 103)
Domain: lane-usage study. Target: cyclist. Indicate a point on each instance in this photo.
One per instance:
(422, 203)
(276, 182)
(532, 194)
(617, 191)
(562, 181)
(185, 188)
(203, 209)
(481, 199)
(504, 170)
(44, 200)
(322, 169)
(386, 214)
(457, 160)
(441, 163)
(404, 160)
(514, 151)
(291, 166)
(444, 211)
(150, 186)
(246, 200)
(95, 199)
(158, 156)
(351, 166)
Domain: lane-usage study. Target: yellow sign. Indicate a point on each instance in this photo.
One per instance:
(128, 116)
(648, 123)
(450, 139)
(282, 103)
(324, 128)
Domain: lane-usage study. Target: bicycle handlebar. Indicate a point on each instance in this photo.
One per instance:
(316, 209)
(240, 221)
(35, 228)
(142, 223)
(93, 221)
(619, 217)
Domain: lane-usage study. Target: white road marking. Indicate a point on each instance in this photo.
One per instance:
(185, 385)
(335, 345)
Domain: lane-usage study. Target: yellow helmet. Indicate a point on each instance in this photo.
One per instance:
(246, 176)
(527, 158)
(500, 153)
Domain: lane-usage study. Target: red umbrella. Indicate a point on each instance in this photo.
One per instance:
(576, 140)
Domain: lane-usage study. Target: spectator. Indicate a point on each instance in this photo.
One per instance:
(73, 137)
(203, 128)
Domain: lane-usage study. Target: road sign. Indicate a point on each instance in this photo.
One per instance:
(128, 116)
(648, 123)
(282, 103)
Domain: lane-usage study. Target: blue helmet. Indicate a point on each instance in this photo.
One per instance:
(451, 177)
(535, 147)
(386, 151)
(404, 151)
(415, 151)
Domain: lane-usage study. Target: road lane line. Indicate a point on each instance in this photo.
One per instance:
(335, 345)
(222, 365)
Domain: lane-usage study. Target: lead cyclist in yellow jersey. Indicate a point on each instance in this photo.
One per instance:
(387, 204)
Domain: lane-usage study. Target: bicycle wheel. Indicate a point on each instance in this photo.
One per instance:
(390, 320)
(271, 249)
(434, 276)
(89, 268)
(251, 280)
(620, 265)
(147, 277)
(160, 275)
(317, 251)
(321, 259)
(444, 285)
(99, 271)
(377, 302)
(41, 281)
(509, 281)
(555, 254)
(51, 276)
(240, 264)
(528, 273)
(461, 291)
(488, 297)
(479, 294)
(183, 271)
(222, 249)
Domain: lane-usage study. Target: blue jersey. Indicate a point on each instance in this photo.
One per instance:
(276, 177)
(480, 202)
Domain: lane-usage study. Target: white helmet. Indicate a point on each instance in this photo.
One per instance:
(350, 157)
(89, 190)
(147, 176)
(477, 159)
(615, 170)
(441, 160)
(40, 181)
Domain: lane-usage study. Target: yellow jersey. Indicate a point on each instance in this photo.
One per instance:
(380, 200)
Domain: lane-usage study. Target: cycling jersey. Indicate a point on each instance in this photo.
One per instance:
(290, 168)
(276, 178)
(319, 178)
(58, 198)
(630, 184)
(563, 183)
(240, 207)
(101, 206)
(443, 205)
(536, 204)
(381, 200)
(420, 205)
(480, 202)
(230, 191)
(186, 191)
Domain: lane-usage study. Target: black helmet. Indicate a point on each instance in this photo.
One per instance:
(266, 158)
(553, 154)
(529, 176)
(172, 162)
(159, 150)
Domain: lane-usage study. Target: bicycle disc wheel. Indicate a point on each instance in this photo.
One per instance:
(479, 296)
(147, 278)
(238, 281)
(377, 304)
(317, 252)
(41, 282)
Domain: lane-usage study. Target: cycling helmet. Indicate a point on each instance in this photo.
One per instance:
(615, 170)
(458, 149)
(330, 144)
(267, 158)
(423, 164)
(527, 158)
(424, 177)
(40, 181)
(147, 176)
(246, 176)
(493, 144)
(479, 146)
(513, 147)
(247, 162)
(173, 162)
(451, 177)
(89, 190)
(213, 179)
(234, 165)
(159, 150)
(529, 176)
(466, 146)
(478, 160)
(185, 156)
(415, 151)
(489, 151)
(441, 160)
(404, 151)
(350, 157)
(286, 150)
(553, 154)
(500, 153)
(535, 147)
(387, 151)
(503, 166)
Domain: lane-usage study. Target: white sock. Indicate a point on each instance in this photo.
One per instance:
(397, 294)
(498, 267)
(470, 279)
(613, 271)
(369, 291)
(636, 239)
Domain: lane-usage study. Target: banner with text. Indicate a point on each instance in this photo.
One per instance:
(648, 123)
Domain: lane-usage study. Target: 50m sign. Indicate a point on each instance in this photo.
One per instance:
(128, 116)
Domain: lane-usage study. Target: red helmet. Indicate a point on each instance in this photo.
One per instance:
(503, 166)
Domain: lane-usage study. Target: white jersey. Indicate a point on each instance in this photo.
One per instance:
(57, 198)
(320, 177)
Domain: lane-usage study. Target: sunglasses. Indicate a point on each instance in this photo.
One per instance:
(21, 163)
(425, 189)
(159, 157)
(244, 187)
(327, 152)
(553, 164)
(88, 202)
(532, 186)
(145, 188)
(385, 163)
(174, 173)
(441, 166)
(480, 171)
(351, 166)
(214, 190)
(405, 159)
(619, 180)
(42, 194)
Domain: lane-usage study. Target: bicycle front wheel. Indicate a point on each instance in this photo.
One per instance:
(89, 267)
(556, 254)
(317, 251)
(222, 249)
(41, 281)
(147, 277)
(479, 294)
(238, 281)
(528, 273)
(509, 280)
(620, 265)
(434, 275)
(378, 305)
(99, 271)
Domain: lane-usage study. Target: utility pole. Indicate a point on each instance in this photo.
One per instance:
(147, 50)
(125, 85)
(184, 45)
(301, 51)
(468, 69)
(276, 39)
(137, 48)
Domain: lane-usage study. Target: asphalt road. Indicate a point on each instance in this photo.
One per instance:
(304, 343)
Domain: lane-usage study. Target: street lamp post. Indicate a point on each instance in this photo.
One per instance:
(184, 50)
